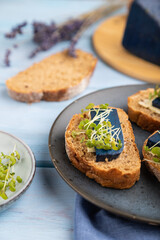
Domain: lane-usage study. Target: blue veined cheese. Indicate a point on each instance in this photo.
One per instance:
(142, 33)
(156, 102)
(111, 154)
(154, 140)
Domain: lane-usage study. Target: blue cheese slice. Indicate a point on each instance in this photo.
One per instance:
(102, 154)
(156, 102)
(154, 140)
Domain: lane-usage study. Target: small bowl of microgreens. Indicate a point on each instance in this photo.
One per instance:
(17, 169)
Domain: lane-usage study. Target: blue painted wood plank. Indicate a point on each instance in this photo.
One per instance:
(45, 211)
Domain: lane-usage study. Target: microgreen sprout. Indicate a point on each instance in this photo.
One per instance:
(155, 94)
(7, 180)
(102, 135)
(155, 150)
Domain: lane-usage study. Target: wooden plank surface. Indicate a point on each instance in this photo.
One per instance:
(45, 211)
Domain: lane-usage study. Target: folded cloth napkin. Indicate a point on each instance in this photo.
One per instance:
(94, 223)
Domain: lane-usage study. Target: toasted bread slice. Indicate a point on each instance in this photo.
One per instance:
(143, 117)
(56, 78)
(153, 167)
(121, 172)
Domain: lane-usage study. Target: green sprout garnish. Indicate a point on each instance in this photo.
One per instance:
(7, 180)
(155, 94)
(90, 106)
(101, 136)
(155, 151)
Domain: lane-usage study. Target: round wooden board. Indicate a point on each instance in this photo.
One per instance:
(107, 43)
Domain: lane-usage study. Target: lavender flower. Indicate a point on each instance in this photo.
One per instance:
(6, 59)
(48, 35)
(16, 30)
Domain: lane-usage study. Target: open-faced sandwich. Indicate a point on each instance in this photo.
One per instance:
(144, 109)
(100, 143)
(151, 153)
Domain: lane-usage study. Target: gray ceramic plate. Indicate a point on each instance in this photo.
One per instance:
(142, 201)
(25, 167)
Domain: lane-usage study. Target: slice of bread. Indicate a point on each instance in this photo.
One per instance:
(121, 172)
(143, 117)
(152, 166)
(56, 78)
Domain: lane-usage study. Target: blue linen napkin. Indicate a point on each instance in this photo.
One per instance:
(94, 223)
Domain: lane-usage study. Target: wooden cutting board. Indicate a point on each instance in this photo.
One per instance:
(107, 43)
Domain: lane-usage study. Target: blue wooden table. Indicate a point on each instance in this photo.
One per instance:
(46, 210)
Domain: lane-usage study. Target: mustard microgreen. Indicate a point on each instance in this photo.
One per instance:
(7, 180)
(155, 150)
(102, 135)
(157, 160)
(90, 106)
(156, 93)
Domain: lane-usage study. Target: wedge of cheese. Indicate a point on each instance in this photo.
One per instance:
(142, 33)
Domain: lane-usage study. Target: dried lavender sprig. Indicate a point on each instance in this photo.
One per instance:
(74, 40)
(42, 30)
(46, 36)
(90, 19)
(104, 7)
(16, 30)
(6, 58)
(15, 45)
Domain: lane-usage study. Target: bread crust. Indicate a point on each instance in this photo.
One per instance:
(144, 118)
(153, 167)
(59, 95)
(53, 93)
(112, 176)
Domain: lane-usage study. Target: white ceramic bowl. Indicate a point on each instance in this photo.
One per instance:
(25, 168)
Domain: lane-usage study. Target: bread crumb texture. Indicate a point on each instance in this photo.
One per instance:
(121, 172)
(143, 117)
(56, 78)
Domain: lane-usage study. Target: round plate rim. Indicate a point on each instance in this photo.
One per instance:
(86, 196)
(31, 176)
